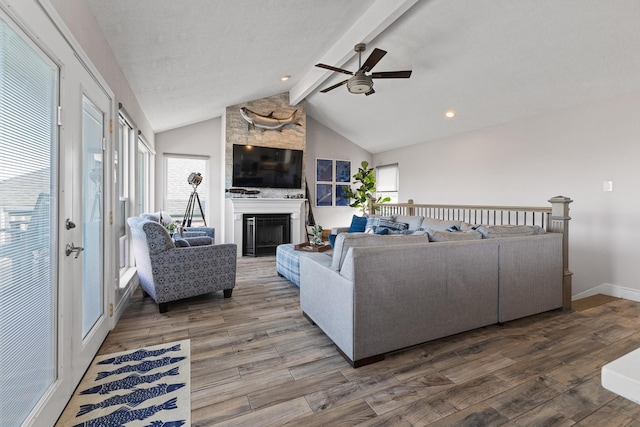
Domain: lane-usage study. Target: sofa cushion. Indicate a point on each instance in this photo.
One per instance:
(344, 241)
(439, 224)
(358, 224)
(413, 222)
(496, 231)
(449, 236)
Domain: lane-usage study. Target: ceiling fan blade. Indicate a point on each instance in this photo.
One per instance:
(339, 70)
(334, 86)
(373, 59)
(371, 92)
(391, 75)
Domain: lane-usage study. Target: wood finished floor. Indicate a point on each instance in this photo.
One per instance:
(256, 361)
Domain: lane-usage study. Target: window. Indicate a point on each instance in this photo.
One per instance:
(387, 182)
(178, 191)
(143, 174)
(121, 158)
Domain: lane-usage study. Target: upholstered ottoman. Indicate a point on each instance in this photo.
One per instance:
(288, 263)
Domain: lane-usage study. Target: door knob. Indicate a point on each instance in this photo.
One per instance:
(71, 248)
(69, 224)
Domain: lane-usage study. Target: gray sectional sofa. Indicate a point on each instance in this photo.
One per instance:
(378, 294)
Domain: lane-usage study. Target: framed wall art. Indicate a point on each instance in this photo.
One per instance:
(324, 194)
(324, 170)
(343, 171)
(341, 195)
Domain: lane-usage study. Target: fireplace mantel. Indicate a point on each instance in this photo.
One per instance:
(238, 206)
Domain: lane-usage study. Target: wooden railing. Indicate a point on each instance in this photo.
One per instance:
(553, 218)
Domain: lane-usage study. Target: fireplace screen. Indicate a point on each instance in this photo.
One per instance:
(264, 232)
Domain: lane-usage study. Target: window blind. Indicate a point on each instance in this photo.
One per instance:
(28, 157)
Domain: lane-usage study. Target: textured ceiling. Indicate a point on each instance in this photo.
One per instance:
(493, 61)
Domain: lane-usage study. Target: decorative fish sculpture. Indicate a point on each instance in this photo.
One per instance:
(166, 424)
(268, 122)
(138, 355)
(129, 382)
(125, 415)
(146, 366)
(132, 399)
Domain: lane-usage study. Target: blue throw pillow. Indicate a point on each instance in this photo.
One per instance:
(358, 224)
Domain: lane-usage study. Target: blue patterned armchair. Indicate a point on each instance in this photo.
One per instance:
(169, 273)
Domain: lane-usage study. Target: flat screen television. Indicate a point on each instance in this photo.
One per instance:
(266, 167)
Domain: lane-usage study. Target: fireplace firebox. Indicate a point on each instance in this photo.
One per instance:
(264, 232)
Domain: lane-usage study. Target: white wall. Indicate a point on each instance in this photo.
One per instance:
(200, 139)
(569, 153)
(86, 31)
(324, 143)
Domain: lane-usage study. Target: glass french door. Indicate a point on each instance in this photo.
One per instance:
(54, 128)
(29, 87)
(84, 247)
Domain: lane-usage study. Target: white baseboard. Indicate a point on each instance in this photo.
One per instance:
(611, 290)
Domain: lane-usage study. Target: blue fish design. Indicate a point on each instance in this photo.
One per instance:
(132, 399)
(166, 424)
(129, 382)
(143, 367)
(137, 355)
(125, 415)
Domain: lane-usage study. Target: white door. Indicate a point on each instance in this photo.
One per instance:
(29, 333)
(84, 234)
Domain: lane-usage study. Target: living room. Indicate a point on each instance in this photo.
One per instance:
(584, 148)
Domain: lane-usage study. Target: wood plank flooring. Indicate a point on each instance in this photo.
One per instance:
(256, 361)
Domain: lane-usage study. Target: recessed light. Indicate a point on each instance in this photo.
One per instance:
(285, 78)
(450, 114)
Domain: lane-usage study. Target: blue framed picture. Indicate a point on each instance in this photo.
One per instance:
(343, 171)
(341, 195)
(324, 170)
(324, 195)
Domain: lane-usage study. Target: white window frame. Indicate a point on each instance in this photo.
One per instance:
(387, 181)
(204, 194)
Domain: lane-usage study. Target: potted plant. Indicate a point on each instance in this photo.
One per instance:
(366, 181)
(317, 235)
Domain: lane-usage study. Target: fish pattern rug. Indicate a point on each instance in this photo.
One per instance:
(149, 387)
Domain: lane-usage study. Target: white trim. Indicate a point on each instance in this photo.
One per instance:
(610, 290)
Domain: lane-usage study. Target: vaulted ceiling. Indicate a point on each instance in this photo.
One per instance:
(492, 61)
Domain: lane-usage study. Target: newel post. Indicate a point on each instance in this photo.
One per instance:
(410, 210)
(559, 223)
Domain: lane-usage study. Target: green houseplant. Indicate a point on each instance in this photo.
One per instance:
(366, 181)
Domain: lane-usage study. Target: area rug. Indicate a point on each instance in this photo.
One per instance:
(147, 387)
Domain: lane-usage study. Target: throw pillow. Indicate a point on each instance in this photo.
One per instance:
(180, 242)
(358, 224)
(413, 222)
(439, 224)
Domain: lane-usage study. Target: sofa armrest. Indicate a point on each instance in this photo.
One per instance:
(338, 230)
(327, 298)
(199, 241)
(531, 275)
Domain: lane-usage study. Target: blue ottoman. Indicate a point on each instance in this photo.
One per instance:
(288, 263)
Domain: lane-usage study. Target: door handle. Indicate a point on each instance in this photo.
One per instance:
(71, 248)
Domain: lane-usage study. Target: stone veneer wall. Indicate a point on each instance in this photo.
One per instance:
(237, 131)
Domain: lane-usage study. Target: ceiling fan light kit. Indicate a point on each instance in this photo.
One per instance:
(361, 82)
